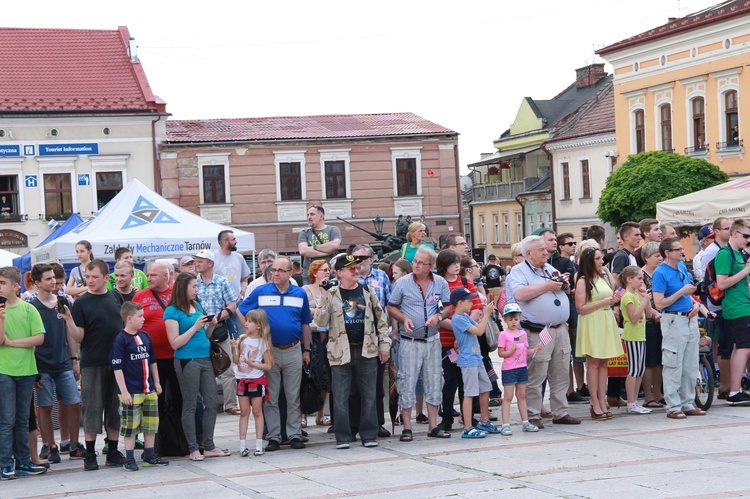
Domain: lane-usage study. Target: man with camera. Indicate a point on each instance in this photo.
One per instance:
(545, 305)
(352, 312)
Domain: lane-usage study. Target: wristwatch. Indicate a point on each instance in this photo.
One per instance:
(74, 358)
(305, 350)
(440, 317)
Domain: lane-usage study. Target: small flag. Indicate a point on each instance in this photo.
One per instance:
(545, 336)
(492, 375)
(430, 173)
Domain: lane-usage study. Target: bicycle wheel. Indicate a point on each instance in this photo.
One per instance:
(704, 386)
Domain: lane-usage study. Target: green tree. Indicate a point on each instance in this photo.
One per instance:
(632, 191)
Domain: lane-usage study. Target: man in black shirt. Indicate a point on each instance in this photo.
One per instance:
(493, 276)
(97, 315)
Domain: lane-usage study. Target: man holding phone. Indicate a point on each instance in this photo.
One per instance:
(57, 362)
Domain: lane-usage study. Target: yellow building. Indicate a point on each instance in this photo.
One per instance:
(679, 87)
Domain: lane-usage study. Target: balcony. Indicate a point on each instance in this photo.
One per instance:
(696, 150)
(501, 191)
(723, 146)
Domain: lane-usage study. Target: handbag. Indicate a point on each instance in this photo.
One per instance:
(310, 398)
(220, 360)
(492, 333)
(220, 332)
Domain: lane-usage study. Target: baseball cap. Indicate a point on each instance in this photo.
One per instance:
(204, 253)
(492, 257)
(705, 231)
(186, 259)
(459, 294)
(511, 308)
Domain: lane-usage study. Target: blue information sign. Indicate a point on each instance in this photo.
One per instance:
(31, 181)
(84, 179)
(68, 149)
(7, 151)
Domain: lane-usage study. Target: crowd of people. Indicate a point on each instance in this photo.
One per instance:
(140, 345)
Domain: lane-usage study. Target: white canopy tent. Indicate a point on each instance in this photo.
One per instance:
(6, 258)
(145, 222)
(730, 199)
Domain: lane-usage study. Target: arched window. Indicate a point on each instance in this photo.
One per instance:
(665, 120)
(732, 120)
(698, 108)
(640, 131)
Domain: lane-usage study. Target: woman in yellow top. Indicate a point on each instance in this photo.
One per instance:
(635, 306)
(415, 237)
(598, 335)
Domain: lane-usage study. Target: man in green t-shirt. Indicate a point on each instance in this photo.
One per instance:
(139, 281)
(731, 276)
(21, 329)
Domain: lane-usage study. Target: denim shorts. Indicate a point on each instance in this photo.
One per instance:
(63, 383)
(517, 376)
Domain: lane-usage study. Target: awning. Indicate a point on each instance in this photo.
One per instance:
(501, 156)
(730, 199)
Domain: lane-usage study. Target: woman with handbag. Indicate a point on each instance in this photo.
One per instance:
(188, 331)
(448, 266)
(320, 370)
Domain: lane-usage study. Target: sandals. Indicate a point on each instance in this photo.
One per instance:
(474, 433)
(258, 452)
(197, 456)
(438, 432)
(676, 415)
(304, 421)
(653, 404)
(216, 453)
(324, 421)
(406, 436)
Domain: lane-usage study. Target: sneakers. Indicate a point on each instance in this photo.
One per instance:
(258, 452)
(421, 418)
(297, 444)
(130, 465)
(576, 398)
(370, 443)
(272, 446)
(30, 469)
(54, 455)
(473, 433)
(636, 408)
(156, 461)
(75, 453)
(506, 431)
(8, 473)
(530, 427)
(65, 448)
(44, 453)
(487, 427)
(740, 398)
(342, 446)
(723, 394)
(244, 452)
(115, 458)
(584, 391)
(89, 463)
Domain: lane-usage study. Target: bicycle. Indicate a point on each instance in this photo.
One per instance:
(704, 384)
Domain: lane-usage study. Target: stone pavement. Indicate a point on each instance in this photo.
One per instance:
(628, 456)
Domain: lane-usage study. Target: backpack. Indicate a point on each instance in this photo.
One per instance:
(714, 294)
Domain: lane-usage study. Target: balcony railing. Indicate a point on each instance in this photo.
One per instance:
(501, 191)
(733, 144)
(696, 150)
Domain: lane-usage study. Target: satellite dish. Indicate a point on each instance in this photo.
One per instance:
(466, 182)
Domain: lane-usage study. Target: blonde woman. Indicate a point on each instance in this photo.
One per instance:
(415, 238)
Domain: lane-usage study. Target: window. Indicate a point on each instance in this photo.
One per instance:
(699, 123)
(8, 195)
(519, 227)
(585, 180)
(213, 184)
(640, 131)
(481, 228)
(506, 229)
(584, 232)
(406, 176)
(665, 114)
(731, 117)
(541, 219)
(291, 181)
(531, 223)
(566, 180)
(496, 224)
(108, 184)
(58, 198)
(335, 175)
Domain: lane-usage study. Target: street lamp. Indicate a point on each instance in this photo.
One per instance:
(378, 223)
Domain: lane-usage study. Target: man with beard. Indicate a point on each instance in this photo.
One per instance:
(230, 264)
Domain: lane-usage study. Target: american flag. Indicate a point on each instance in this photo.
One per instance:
(544, 336)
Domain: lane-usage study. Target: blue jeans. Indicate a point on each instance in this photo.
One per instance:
(15, 406)
(363, 371)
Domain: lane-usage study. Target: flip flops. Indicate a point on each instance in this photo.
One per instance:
(438, 432)
(196, 457)
(406, 436)
(216, 453)
(653, 404)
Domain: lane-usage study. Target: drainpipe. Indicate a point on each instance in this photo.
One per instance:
(157, 166)
(551, 187)
(458, 192)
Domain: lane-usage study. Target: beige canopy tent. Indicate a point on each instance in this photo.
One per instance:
(730, 199)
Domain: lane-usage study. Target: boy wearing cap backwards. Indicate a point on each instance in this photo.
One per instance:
(476, 381)
(513, 347)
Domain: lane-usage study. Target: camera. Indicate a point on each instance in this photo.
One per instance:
(565, 285)
(329, 283)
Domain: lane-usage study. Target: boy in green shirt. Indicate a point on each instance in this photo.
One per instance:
(21, 329)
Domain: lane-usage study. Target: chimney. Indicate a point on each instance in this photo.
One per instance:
(671, 19)
(589, 75)
(133, 51)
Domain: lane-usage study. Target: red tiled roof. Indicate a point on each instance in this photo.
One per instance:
(715, 14)
(301, 127)
(71, 70)
(595, 117)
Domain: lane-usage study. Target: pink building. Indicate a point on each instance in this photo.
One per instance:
(261, 174)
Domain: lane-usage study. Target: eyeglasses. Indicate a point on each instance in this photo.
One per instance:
(324, 270)
(279, 271)
(679, 249)
(569, 243)
(476, 265)
(353, 269)
(723, 228)
(417, 262)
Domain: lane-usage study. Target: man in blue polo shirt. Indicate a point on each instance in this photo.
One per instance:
(672, 285)
(289, 319)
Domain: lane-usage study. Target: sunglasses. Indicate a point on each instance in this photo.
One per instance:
(746, 236)
(570, 243)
